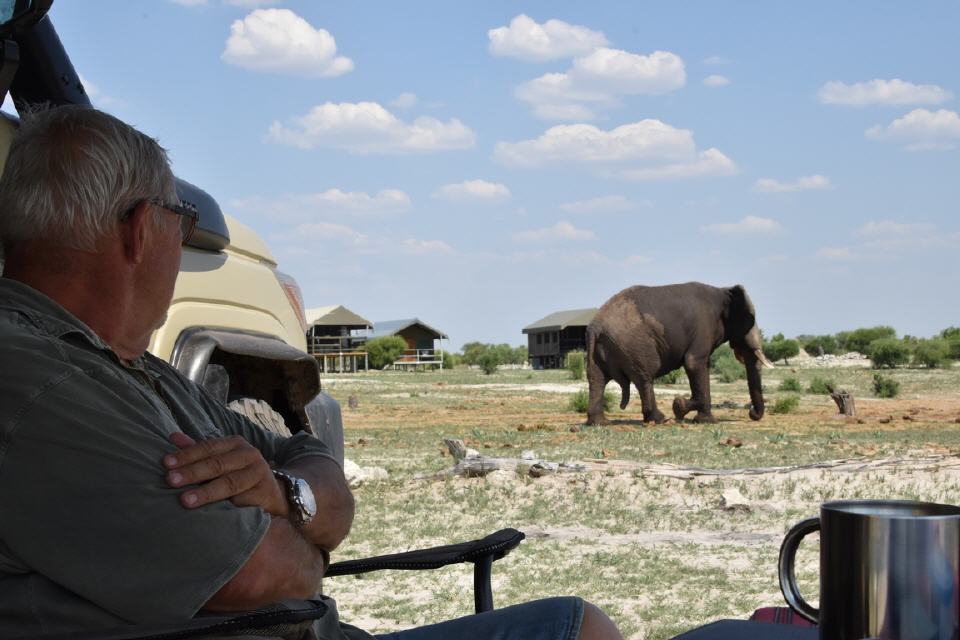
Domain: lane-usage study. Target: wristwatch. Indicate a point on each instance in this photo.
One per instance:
(303, 506)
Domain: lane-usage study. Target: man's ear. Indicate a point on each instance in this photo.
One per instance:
(135, 231)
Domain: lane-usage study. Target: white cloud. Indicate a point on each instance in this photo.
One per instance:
(716, 61)
(716, 80)
(422, 247)
(280, 41)
(404, 100)
(587, 144)
(882, 92)
(835, 253)
(560, 231)
(332, 202)
(96, 95)
(875, 228)
(328, 231)
(921, 130)
(525, 39)
(368, 128)
(803, 183)
(644, 150)
(603, 204)
(747, 225)
(711, 162)
(598, 79)
(473, 190)
(635, 260)
(250, 4)
(190, 3)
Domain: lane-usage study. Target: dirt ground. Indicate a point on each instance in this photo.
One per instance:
(646, 529)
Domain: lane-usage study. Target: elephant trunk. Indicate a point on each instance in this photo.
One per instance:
(753, 365)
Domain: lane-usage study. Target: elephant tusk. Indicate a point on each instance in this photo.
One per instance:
(762, 358)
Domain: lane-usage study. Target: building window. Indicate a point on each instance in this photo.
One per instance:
(539, 338)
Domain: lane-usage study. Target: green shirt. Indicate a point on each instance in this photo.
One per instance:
(91, 536)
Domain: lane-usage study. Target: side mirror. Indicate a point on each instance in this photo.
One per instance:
(16, 14)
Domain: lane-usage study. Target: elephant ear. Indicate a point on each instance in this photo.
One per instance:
(741, 314)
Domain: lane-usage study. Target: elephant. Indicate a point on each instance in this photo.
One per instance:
(645, 332)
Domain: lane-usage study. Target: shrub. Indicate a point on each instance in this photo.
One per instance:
(726, 366)
(671, 377)
(860, 339)
(779, 348)
(385, 350)
(790, 384)
(953, 347)
(489, 362)
(503, 353)
(821, 386)
(787, 404)
(820, 345)
(576, 364)
(885, 386)
(931, 353)
(450, 359)
(580, 401)
(888, 353)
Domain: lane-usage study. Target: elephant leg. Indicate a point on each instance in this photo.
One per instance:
(649, 401)
(698, 373)
(597, 379)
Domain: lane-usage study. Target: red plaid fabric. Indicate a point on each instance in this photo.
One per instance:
(780, 615)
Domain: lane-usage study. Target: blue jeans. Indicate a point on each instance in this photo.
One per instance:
(548, 619)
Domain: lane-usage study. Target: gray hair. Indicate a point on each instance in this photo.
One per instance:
(72, 172)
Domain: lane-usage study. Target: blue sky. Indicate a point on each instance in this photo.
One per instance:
(480, 165)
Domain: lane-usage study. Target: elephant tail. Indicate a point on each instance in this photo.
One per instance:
(624, 394)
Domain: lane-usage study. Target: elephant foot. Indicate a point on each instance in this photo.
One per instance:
(597, 421)
(680, 408)
(656, 416)
(704, 418)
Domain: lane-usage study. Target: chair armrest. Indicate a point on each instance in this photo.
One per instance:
(482, 553)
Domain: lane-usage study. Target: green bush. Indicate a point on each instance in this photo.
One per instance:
(779, 348)
(489, 362)
(385, 350)
(859, 339)
(888, 353)
(820, 345)
(953, 347)
(580, 401)
(725, 365)
(821, 386)
(450, 359)
(931, 353)
(791, 384)
(787, 404)
(671, 377)
(504, 353)
(885, 386)
(576, 364)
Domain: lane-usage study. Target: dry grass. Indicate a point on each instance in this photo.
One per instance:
(660, 554)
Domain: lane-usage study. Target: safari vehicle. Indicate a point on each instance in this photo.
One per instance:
(236, 324)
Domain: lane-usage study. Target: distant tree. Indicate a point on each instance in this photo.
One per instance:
(820, 345)
(576, 364)
(931, 353)
(859, 339)
(472, 351)
(780, 348)
(385, 350)
(489, 362)
(888, 353)
(950, 332)
(952, 337)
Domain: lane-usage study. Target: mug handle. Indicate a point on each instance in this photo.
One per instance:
(788, 577)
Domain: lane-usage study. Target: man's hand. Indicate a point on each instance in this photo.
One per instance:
(226, 469)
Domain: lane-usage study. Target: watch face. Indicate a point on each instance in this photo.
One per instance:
(307, 502)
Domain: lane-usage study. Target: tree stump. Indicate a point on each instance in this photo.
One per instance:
(844, 400)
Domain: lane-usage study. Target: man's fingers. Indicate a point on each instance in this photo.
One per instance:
(181, 440)
(226, 486)
(194, 451)
(214, 467)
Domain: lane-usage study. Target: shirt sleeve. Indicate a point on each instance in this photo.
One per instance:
(85, 503)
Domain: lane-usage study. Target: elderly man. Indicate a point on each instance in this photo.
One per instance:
(127, 494)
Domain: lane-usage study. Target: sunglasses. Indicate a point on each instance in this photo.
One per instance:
(188, 216)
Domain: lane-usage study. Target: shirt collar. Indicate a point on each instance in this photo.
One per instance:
(45, 312)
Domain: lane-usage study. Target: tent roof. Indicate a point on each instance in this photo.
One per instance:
(336, 316)
(392, 327)
(562, 319)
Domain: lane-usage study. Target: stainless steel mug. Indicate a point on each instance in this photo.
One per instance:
(888, 569)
